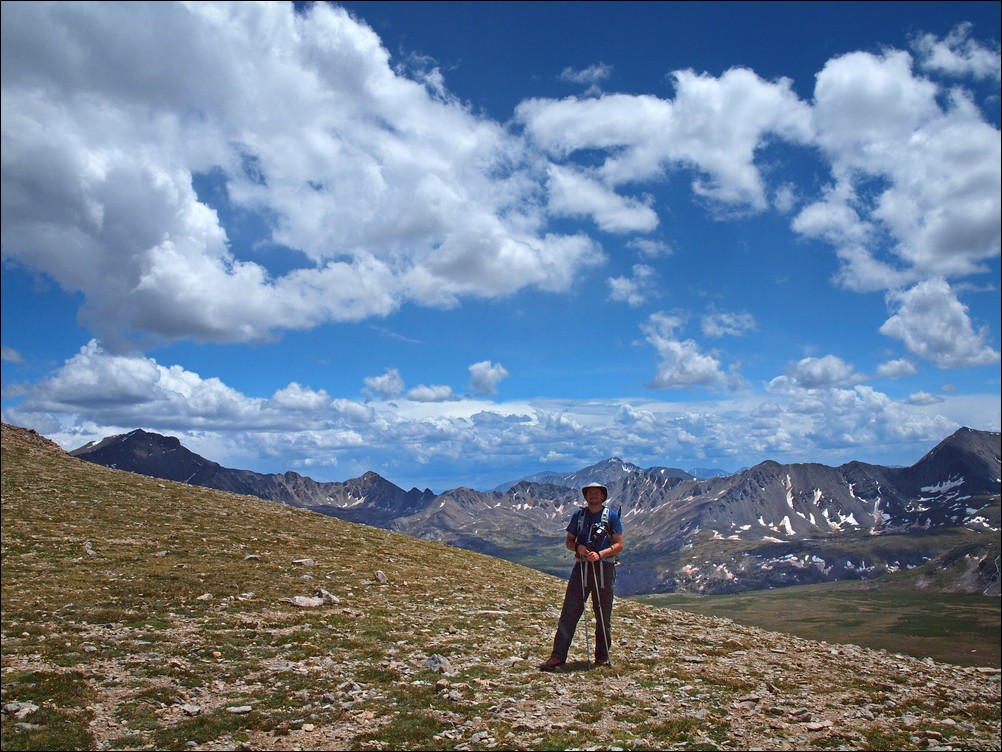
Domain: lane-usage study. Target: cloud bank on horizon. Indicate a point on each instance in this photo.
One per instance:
(129, 181)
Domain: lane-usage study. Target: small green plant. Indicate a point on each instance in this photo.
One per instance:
(561, 740)
(880, 738)
(415, 730)
(60, 722)
(129, 741)
(590, 711)
(670, 730)
(211, 726)
(48, 728)
(632, 717)
(61, 688)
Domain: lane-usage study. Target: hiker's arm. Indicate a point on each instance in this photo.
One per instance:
(615, 549)
(569, 543)
(607, 553)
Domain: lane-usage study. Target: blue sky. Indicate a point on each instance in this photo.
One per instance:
(460, 243)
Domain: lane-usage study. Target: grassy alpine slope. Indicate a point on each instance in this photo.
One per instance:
(951, 627)
(143, 614)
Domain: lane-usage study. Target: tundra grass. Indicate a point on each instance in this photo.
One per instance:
(138, 614)
(962, 629)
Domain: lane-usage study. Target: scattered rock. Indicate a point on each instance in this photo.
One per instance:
(439, 663)
(239, 709)
(326, 597)
(303, 562)
(303, 601)
(381, 578)
(19, 709)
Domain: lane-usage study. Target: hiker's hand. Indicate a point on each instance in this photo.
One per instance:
(582, 551)
(593, 556)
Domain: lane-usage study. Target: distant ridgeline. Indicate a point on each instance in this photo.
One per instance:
(768, 526)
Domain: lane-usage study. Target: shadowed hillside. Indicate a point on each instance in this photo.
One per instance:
(140, 613)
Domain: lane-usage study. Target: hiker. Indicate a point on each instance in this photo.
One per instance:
(595, 535)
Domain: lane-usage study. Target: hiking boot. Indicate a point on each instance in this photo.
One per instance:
(552, 664)
(606, 663)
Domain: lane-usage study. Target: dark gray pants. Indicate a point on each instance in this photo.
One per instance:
(599, 582)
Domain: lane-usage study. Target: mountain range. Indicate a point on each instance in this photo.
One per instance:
(767, 526)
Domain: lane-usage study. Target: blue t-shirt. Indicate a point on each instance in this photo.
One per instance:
(591, 534)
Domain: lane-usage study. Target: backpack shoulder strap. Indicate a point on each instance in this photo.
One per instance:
(581, 515)
(605, 523)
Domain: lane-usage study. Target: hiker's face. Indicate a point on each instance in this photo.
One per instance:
(594, 496)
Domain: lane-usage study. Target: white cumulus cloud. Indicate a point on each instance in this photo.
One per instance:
(381, 189)
(958, 54)
(896, 368)
(385, 386)
(485, 376)
(593, 74)
(734, 324)
(637, 289)
(682, 362)
(817, 373)
(430, 393)
(917, 184)
(932, 323)
(714, 124)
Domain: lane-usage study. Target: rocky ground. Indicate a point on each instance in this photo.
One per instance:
(679, 681)
(142, 614)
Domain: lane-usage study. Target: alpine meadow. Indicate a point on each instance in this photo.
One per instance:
(148, 614)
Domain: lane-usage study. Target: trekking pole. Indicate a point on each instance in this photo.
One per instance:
(584, 600)
(601, 614)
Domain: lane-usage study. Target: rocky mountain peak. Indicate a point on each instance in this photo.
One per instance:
(767, 526)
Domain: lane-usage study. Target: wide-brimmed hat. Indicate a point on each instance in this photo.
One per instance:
(584, 490)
